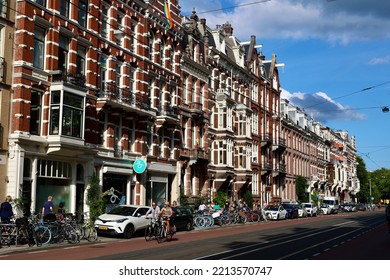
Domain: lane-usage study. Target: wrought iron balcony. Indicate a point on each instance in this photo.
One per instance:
(74, 78)
(168, 111)
(265, 139)
(196, 108)
(190, 153)
(124, 96)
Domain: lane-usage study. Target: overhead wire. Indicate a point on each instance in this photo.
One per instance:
(349, 94)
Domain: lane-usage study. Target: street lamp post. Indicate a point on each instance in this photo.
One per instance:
(370, 196)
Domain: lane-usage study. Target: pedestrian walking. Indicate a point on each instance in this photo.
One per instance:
(6, 212)
(48, 207)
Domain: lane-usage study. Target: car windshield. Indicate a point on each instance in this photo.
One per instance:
(272, 208)
(123, 211)
(307, 205)
(288, 206)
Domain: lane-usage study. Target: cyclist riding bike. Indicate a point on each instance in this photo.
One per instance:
(166, 214)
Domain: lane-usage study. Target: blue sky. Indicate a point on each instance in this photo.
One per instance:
(336, 55)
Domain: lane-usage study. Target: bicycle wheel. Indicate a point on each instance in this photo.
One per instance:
(42, 235)
(90, 234)
(161, 234)
(255, 217)
(199, 221)
(148, 233)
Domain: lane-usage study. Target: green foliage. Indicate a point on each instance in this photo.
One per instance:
(220, 198)
(300, 185)
(248, 198)
(95, 201)
(19, 203)
(314, 198)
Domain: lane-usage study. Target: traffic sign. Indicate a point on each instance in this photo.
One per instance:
(139, 166)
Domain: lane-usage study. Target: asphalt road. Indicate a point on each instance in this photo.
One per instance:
(345, 236)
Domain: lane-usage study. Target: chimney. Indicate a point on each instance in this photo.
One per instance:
(228, 29)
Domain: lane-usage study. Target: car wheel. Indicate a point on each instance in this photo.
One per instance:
(129, 231)
(188, 226)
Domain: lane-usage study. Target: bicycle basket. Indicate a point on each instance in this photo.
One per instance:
(21, 221)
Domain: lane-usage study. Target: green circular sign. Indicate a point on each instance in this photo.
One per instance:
(139, 166)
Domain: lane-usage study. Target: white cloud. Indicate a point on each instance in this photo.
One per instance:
(380, 60)
(322, 107)
(337, 21)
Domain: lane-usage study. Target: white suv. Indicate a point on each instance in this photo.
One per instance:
(311, 209)
(123, 220)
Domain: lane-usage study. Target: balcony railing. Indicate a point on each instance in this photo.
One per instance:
(168, 111)
(74, 78)
(125, 96)
(193, 153)
(266, 165)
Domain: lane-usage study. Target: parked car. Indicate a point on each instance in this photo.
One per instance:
(311, 208)
(182, 218)
(302, 212)
(275, 212)
(123, 220)
(326, 209)
(361, 207)
(350, 207)
(292, 211)
(333, 203)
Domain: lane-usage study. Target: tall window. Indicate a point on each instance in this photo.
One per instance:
(80, 59)
(118, 71)
(103, 72)
(255, 123)
(105, 21)
(241, 157)
(64, 7)
(255, 182)
(151, 47)
(35, 112)
(41, 2)
(39, 47)
(131, 135)
(185, 89)
(132, 87)
(162, 53)
(241, 125)
(102, 128)
(66, 114)
(121, 29)
(63, 50)
(133, 36)
(172, 58)
(83, 12)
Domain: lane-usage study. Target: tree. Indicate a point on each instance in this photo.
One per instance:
(248, 198)
(95, 201)
(362, 175)
(379, 182)
(300, 187)
(220, 198)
